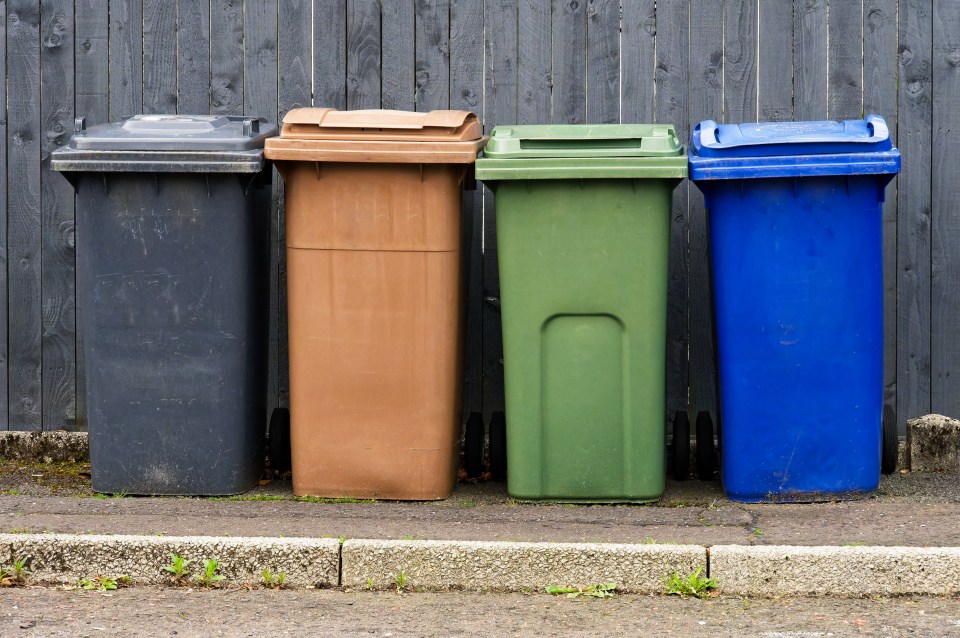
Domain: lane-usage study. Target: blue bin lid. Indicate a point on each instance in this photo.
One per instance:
(792, 149)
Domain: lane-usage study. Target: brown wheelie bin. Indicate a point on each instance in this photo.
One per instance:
(375, 296)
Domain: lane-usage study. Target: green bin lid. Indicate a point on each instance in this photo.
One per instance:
(585, 151)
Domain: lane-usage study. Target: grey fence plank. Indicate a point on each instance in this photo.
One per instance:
(603, 61)
(466, 92)
(944, 300)
(58, 275)
(740, 60)
(671, 108)
(126, 59)
(534, 68)
(810, 35)
(260, 79)
(193, 56)
(569, 61)
(776, 77)
(23, 223)
(363, 54)
(4, 361)
(433, 54)
(845, 90)
(399, 84)
(638, 44)
(914, 208)
(500, 107)
(159, 56)
(330, 52)
(880, 96)
(706, 101)
(226, 56)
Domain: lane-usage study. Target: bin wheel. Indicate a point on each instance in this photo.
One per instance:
(680, 450)
(279, 440)
(473, 446)
(706, 454)
(498, 446)
(888, 458)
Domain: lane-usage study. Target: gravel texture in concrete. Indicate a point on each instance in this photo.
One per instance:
(440, 565)
(53, 446)
(934, 444)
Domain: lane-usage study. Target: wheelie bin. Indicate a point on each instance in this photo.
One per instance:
(173, 221)
(583, 232)
(795, 213)
(375, 296)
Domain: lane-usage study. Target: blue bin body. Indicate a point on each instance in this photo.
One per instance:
(795, 215)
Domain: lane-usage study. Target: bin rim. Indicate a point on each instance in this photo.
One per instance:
(568, 141)
(886, 163)
(495, 169)
(71, 160)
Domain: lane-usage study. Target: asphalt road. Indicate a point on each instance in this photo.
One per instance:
(140, 612)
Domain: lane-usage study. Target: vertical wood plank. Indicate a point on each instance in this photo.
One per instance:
(706, 71)
(639, 61)
(671, 108)
(4, 361)
(500, 107)
(399, 61)
(466, 92)
(432, 54)
(126, 59)
(193, 56)
(569, 61)
(603, 61)
(810, 59)
(845, 90)
(741, 34)
(226, 57)
(944, 298)
(363, 54)
(260, 99)
(776, 76)
(880, 96)
(23, 224)
(159, 56)
(330, 52)
(914, 207)
(534, 63)
(58, 275)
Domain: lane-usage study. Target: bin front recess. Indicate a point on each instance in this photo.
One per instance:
(583, 231)
(173, 221)
(795, 213)
(375, 298)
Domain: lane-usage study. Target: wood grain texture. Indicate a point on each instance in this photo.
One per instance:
(432, 54)
(741, 35)
(810, 35)
(24, 142)
(638, 47)
(330, 52)
(126, 59)
(363, 54)
(945, 195)
(914, 207)
(399, 85)
(706, 71)
(776, 77)
(880, 96)
(193, 56)
(226, 57)
(159, 56)
(845, 90)
(4, 361)
(58, 272)
(672, 84)
(466, 92)
(603, 61)
(534, 71)
(569, 61)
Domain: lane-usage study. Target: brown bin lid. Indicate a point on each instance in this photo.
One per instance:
(329, 135)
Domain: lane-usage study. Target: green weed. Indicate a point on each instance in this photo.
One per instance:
(603, 590)
(692, 585)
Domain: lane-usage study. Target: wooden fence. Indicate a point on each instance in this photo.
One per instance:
(528, 61)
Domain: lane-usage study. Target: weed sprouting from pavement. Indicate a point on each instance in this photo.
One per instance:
(692, 585)
(603, 590)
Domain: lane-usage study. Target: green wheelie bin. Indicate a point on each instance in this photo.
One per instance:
(583, 232)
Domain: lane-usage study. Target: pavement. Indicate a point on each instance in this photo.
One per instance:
(902, 540)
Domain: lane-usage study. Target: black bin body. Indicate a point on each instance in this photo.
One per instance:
(173, 227)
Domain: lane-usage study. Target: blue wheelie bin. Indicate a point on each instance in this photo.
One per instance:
(795, 214)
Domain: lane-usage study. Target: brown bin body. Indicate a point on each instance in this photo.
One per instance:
(375, 297)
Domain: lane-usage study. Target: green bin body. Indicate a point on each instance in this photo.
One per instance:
(583, 231)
